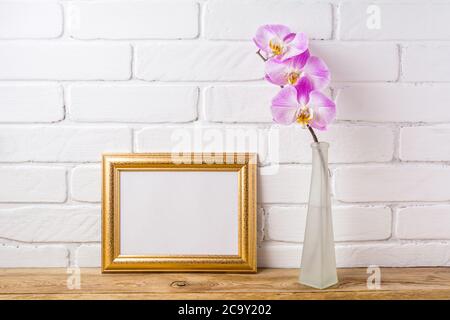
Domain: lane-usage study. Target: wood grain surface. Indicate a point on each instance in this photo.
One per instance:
(396, 283)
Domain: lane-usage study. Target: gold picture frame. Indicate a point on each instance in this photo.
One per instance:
(244, 164)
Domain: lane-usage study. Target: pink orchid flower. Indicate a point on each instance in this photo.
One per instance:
(290, 71)
(304, 105)
(277, 41)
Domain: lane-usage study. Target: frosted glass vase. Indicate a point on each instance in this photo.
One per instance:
(318, 264)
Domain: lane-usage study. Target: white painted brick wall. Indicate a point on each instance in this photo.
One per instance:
(393, 183)
(86, 183)
(51, 224)
(65, 144)
(393, 102)
(348, 144)
(201, 61)
(64, 61)
(30, 19)
(32, 184)
(287, 224)
(359, 61)
(202, 139)
(133, 20)
(423, 222)
(425, 143)
(33, 256)
(399, 21)
(290, 184)
(132, 103)
(238, 19)
(239, 103)
(79, 78)
(279, 255)
(88, 256)
(31, 102)
(426, 62)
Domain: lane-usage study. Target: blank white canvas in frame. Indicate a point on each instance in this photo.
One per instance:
(179, 213)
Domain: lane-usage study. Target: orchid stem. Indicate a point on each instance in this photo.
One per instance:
(261, 56)
(322, 160)
(311, 130)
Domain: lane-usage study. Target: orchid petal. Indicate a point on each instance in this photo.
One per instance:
(298, 62)
(317, 71)
(285, 106)
(296, 46)
(276, 71)
(268, 32)
(289, 37)
(280, 30)
(304, 88)
(267, 78)
(324, 110)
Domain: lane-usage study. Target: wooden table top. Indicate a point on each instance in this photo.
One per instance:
(396, 283)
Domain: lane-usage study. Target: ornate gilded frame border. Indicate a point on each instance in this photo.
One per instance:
(243, 163)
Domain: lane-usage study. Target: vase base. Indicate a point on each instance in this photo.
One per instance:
(319, 286)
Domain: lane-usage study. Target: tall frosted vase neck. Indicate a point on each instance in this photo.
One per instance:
(320, 157)
(318, 264)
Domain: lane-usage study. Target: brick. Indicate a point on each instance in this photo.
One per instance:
(133, 103)
(425, 143)
(66, 144)
(284, 184)
(33, 257)
(25, 19)
(31, 103)
(355, 61)
(236, 103)
(424, 222)
(134, 20)
(277, 255)
(392, 183)
(86, 183)
(348, 144)
(393, 102)
(287, 224)
(65, 61)
(239, 20)
(202, 139)
(51, 224)
(402, 21)
(88, 256)
(32, 184)
(394, 255)
(213, 61)
(426, 62)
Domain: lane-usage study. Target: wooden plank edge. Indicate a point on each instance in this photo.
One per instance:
(328, 295)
